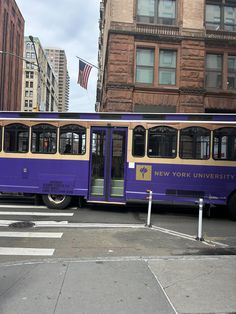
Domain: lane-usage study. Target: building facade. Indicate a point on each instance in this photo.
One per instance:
(11, 52)
(58, 60)
(39, 84)
(167, 56)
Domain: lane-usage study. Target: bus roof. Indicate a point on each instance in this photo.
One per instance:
(119, 116)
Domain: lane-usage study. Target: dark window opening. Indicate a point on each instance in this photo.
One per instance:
(139, 141)
(224, 144)
(195, 143)
(44, 139)
(162, 142)
(72, 140)
(16, 138)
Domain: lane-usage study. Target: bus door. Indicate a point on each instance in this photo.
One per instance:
(108, 164)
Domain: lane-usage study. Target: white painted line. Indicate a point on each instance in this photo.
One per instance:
(31, 234)
(21, 206)
(27, 206)
(187, 236)
(4, 223)
(174, 233)
(92, 225)
(35, 213)
(216, 243)
(51, 223)
(26, 251)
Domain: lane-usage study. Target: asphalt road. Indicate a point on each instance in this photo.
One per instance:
(103, 259)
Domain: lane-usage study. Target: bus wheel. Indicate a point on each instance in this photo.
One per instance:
(56, 201)
(232, 206)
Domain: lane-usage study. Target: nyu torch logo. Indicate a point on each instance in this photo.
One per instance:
(143, 173)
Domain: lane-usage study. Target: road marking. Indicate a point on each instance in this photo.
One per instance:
(51, 223)
(31, 234)
(187, 236)
(26, 251)
(21, 206)
(175, 233)
(92, 225)
(35, 213)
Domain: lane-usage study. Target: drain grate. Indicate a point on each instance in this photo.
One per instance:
(22, 224)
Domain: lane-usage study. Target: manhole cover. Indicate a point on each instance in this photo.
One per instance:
(22, 224)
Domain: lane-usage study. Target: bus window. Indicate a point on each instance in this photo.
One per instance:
(224, 146)
(44, 139)
(162, 142)
(139, 141)
(16, 138)
(72, 139)
(194, 143)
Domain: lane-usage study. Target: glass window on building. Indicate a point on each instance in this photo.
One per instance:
(167, 67)
(231, 79)
(212, 16)
(214, 66)
(229, 18)
(156, 11)
(144, 66)
(28, 46)
(221, 16)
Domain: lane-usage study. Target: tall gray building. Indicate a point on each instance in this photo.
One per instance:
(39, 88)
(57, 58)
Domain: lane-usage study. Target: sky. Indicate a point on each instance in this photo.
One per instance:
(71, 25)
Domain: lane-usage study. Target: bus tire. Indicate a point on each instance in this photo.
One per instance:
(232, 206)
(56, 201)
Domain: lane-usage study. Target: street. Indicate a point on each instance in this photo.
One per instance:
(104, 259)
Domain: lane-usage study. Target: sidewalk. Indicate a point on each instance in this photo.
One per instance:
(164, 285)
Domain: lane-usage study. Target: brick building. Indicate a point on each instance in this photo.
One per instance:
(167, 56)
(11, 47)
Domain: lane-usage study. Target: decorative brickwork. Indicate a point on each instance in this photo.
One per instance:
(191, 41)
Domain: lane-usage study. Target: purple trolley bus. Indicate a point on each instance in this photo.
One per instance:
(116, 157)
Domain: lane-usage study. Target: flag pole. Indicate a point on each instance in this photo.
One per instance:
(88, 62)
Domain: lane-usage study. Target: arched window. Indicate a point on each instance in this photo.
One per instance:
(194, 143)
(162, 142)
(44, 139)
(224, 146)
(139, 140)
(16, 138)
(72, 140)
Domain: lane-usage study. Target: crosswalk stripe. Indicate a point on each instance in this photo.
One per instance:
(26, 251)
(4, 223)
(31, 234)
(27, 206)
(14, 213)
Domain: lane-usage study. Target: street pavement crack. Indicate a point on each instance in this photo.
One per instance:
(62, 284)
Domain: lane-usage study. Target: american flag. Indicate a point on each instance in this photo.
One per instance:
(84, 71)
